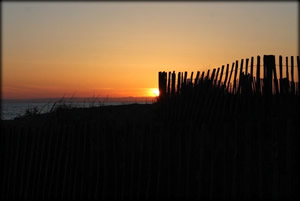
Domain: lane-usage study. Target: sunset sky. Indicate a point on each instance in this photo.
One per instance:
(100, 49)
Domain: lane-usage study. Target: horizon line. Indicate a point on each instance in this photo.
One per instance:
(72, 98)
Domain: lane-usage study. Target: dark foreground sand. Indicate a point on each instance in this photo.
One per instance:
(207, 149)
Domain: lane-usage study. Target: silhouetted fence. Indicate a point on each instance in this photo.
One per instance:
(253, 78)
(218, 137)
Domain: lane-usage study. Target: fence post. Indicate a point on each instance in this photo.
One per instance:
(275, 78)
(159, 82)
(269, 65)
(216, 79)
(165, 82)
(258, 75)
(241, 72)
(246, 69)
(221, 75)
(226, 75)
(287, 69)
(251, 75)
(292, 75)
(213, 75)
(185, 76)
(162, 83)
(251, 68)
(202, 76)
(173, 83)
(197, 77)
(287, 80)
(169, 83)
(235, 74)
(178, 83)
(207, 75)
(232, 67)
(280, 67)
(181, 80)
(298, 75)
(280, 73)
(191, 81)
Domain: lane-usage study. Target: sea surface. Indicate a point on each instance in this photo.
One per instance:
(13, 108)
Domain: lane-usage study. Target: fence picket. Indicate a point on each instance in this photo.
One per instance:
(173, 83)
(298, 75)
(246, 67)
(235, 74)
(178, 83)
(216, 79)
(275, 78)
(221, 76)
(213, 75)
(197, 77)
(185, 78)
(287, 67)
(258, 75)
(241, 73)
(202, 76)
(251, 68)
(292, 76)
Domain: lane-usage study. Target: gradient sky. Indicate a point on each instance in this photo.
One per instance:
(55, 49)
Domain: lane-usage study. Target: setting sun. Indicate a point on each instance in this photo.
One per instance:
(155, 92)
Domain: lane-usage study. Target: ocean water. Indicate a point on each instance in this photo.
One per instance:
(14, 108)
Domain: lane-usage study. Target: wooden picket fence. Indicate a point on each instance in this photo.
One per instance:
(239, 79)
